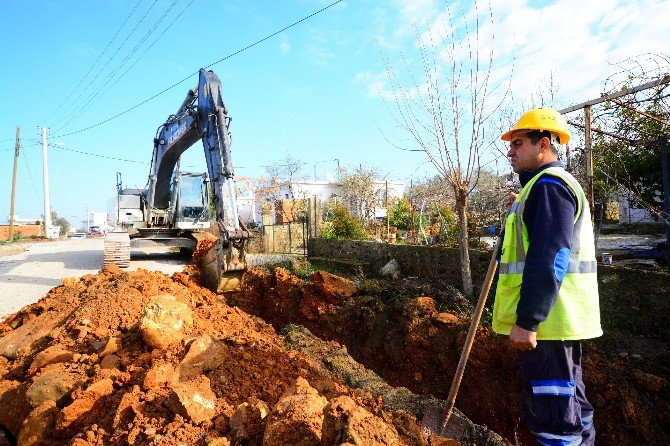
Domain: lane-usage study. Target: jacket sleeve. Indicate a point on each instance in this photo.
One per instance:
(549, 218)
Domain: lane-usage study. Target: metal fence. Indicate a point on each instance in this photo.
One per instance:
(286, 238)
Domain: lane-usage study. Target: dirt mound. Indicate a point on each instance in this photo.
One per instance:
(77, 369)
(410, 343)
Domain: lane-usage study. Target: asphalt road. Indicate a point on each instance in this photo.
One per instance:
(28, 275)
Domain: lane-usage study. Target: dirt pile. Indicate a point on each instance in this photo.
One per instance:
(409, 343)
(87, 365)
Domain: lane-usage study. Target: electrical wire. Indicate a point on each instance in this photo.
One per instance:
(193, 74)
(94, 63)
(150, 46)
(101, 90)
(30, 175)
(68, 111)
(98, 155)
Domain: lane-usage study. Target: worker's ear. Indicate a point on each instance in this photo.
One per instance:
(545, 144)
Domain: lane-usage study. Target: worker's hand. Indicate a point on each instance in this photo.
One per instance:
(522, 339)
(511, 198)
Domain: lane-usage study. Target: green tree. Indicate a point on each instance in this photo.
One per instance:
(633, 159)
(62, 222)
(400, 214)
(343, 225)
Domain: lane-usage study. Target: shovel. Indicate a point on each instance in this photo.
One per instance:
(437, 423)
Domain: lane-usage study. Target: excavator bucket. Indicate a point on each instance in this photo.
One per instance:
(219, 278)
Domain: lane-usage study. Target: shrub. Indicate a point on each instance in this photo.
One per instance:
(344, 225)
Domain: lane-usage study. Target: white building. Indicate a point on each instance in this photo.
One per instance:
(324, 190)
(98, 219)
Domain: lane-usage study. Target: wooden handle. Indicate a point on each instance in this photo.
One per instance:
(469, 340)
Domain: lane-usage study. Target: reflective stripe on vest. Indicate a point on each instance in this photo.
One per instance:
(576, 314)
(575, 266)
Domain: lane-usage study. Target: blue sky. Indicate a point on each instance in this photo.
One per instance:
(315, 91)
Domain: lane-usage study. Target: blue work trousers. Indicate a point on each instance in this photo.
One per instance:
(554, 401)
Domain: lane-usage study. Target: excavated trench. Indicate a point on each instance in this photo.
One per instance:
(395, 329)
(362, 363)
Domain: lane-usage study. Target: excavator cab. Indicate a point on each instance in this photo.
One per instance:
(191, 198)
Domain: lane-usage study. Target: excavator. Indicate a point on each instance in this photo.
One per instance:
(174, 208)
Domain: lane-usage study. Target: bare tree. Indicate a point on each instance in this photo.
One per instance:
(444, 112)
(359, 191)
(281, 172)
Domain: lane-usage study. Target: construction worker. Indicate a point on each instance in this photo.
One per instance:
(547, 293)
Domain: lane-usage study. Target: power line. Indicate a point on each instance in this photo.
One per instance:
(98, 155)
(193, 74)
(30, 175)
(150, 46)
(68, 111)
(96, 61)
(23, 139)
(101, 90)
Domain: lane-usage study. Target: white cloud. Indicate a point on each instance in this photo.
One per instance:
(319, 54)
(578, 41)
(284, 46)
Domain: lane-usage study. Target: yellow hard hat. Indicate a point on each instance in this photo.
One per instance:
(543, 119)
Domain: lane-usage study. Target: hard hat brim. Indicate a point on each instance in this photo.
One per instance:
(563, 137)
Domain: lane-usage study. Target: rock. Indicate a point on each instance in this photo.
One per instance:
(110, 362)
(158, 375)
(111, 269)
(51, 355)
(636, 357)
(217, 441)
(37, 428)
(165, 321)
(297, 417)
(248, 421)
(446, 319)
(4, 441)
(21, 339)
(436, 440)
(333, 288)
(193, 399)
(648, 381)
(113, 345)
(391, 269)
(75, 416)
(203, 355)
(52, 385)
(346, 422)
(70, 281)
(14, 406)
(416, 309)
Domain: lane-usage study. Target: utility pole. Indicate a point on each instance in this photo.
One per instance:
(16, 162)
(45, 170)
(666, 193)
(588, 147)
(88, 227)
(388, 220)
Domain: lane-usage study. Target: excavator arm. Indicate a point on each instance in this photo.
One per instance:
(203, 116)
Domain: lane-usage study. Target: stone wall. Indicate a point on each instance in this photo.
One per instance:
(23, 230)
(634, 300)
(424, 261)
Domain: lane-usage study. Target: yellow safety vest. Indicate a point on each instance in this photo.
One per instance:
(576, 314)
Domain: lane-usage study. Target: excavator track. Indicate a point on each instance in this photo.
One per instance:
(117, 249)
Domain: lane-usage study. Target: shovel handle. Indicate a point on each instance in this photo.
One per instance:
(469, 340)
